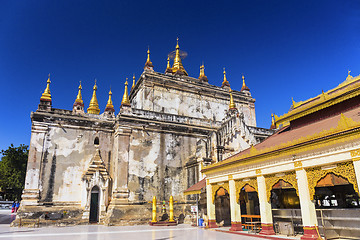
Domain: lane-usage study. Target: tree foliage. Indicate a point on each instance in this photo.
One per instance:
(13, 170)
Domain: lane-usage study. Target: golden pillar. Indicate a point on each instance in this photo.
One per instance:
(171, 203)
(154, 210)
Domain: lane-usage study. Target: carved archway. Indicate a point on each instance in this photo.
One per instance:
(271, 180)
(215, 188)
(345, 170)
(239, 184)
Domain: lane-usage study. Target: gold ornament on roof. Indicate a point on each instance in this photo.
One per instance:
(109, 105)
(225, 82)
(178, 68)
(94, 105)
(244, 87)
(133, 85)
(202, 75)
(125, 100)
(231, 104)
(46, 96)
(148, 62)
(79, 96)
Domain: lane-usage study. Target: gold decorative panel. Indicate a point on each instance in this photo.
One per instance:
(239, 184)
(345, 170)
(298, 165)
(271, 180)
(215, 187)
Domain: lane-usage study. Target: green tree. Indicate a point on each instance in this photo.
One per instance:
(13, 170)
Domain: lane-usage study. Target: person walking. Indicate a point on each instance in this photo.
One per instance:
(17, 205)
(13, 207)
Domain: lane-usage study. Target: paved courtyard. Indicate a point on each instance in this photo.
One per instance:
(99, 232)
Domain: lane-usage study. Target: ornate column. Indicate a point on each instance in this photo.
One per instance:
(308, 212)
(355, 156)
(265, 207)
(234, 207)
(210, 205)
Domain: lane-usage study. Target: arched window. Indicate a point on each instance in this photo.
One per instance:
(96, 141)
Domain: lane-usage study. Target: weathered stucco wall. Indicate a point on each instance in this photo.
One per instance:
(157, 164)
(66, 153)
(171, 99)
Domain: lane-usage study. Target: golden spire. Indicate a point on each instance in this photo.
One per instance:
(79, 97)
(202, 73)
(168, 67)
(125, 99)
(231, 104)
(225, 82)
(178, 67)
(244, 87)
(148, 62)
(109, 105)
(94, 105)
(133, 85)
(46, 96)
(272, 122)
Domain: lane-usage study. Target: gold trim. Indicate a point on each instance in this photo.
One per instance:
(298, 165)
(258, 171)
(271, 180)
(239, 184)
(230, 177)
(309, 143)
(319, 102)
(345, 170)
(355, 153)
(215, 187)
(192, 192)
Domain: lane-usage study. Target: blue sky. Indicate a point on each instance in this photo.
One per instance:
(284, 48)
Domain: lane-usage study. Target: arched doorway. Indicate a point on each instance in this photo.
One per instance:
(222, 207)
(249, 201)
(94, 205)
(333, 191)
(283, 196)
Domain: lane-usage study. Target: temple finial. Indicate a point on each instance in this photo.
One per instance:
(79, 96)
(125, 100)
(273, 126)
(202, 73)
(78, 107)
(225, 81)
(168, 67)
(133, 85)
(109, 106)
(46, 96)
(244, 87)
(178, 68)
(148, 64)
(231, 104)
(94, 105)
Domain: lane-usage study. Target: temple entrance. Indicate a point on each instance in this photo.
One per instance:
(285, 205)
(334, 191)
(222, 207)
(249, 201)
(94, 205)
(284, 196)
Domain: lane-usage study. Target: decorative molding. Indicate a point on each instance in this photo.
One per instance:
(258, 171)
(298, 165)
(239, 184)
(346, 131)
(215, 187)
(319, 102)
(271, 180)
(230, 177)
(345, 170)
(355, 154)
